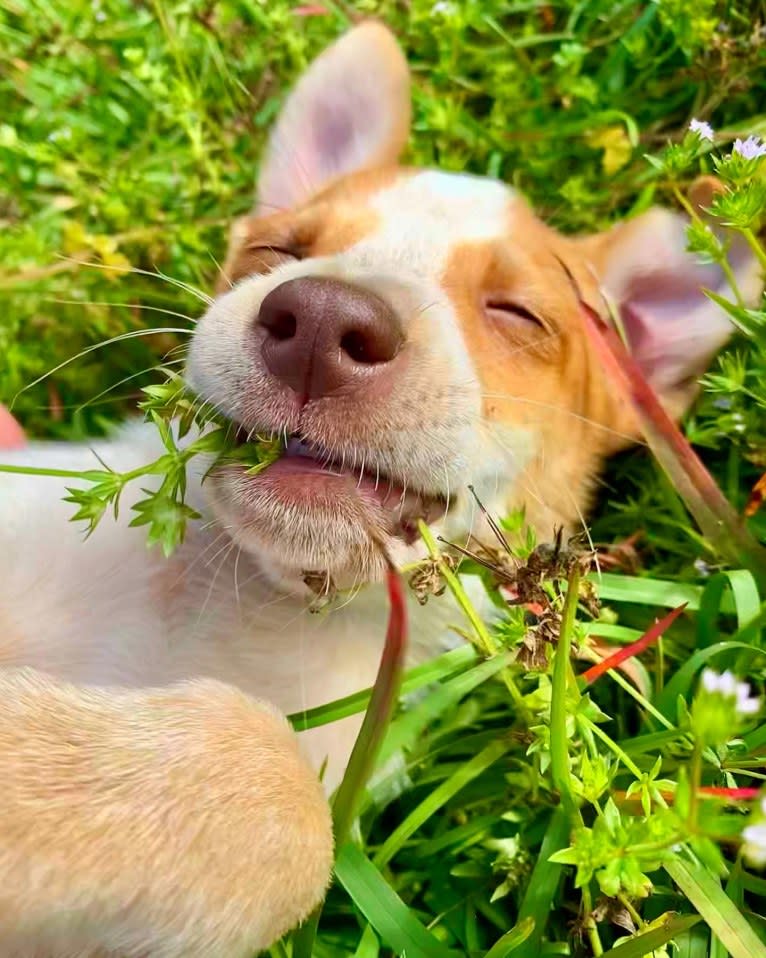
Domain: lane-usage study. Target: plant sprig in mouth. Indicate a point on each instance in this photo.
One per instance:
(165, 510)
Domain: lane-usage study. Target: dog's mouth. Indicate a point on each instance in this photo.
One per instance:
(308, 478)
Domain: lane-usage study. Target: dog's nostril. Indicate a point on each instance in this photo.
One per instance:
(363, 349)
(281, 323)
(319, 335)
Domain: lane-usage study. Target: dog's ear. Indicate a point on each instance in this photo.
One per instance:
(349, 111)
(672, 327)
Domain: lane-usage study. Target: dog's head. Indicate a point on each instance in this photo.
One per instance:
(414, 332)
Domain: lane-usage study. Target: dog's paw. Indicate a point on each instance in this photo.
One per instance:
(181, 821)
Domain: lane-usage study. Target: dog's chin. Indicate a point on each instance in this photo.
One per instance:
(304, 520)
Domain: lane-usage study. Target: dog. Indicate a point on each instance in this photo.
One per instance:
(410, 333)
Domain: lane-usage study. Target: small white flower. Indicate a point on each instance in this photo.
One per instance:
(754, 848)
(724, 683)
(727, 685)
(703, 130)
(750, 149)
(746, 704)
(443, 7)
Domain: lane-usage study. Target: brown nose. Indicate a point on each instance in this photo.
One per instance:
(325, 335)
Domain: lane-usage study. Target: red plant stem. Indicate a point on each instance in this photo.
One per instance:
(635, 648)
(379, 711)
(716, 518)
(380, 708)
(734, 794)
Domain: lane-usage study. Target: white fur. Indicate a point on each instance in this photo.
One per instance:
(108, 611)
(432, 429)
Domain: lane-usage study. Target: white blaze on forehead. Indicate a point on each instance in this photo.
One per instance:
(423, 217)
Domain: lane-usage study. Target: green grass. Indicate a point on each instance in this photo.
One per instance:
(130, 135)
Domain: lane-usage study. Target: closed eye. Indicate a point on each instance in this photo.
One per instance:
(276, 250)
(506, 311)
(266, 258)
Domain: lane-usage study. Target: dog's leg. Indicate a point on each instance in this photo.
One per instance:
(165, 822)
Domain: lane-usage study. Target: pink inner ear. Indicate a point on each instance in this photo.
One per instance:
(332, 133)
(673, 329)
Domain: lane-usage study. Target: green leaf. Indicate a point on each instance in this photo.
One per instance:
(369, 946)
(747, 604)
(644, 944)
(392, 920)
(545, 878)
(446, 665)
(720, 913)
(512, 940)
(646, 591)
(439, 797)
(407, 727)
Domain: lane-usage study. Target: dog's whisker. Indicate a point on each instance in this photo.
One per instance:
(135, 270)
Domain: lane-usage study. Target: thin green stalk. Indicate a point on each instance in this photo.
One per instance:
(628, 906)
(563, 676)
(560, 771)
(626, 760)
(696, 781)
(723, 263)
(755, 246)
(485, 641)
(590, 925)
(488, 646)
(640, 699)
(649, 848)
(40, 471)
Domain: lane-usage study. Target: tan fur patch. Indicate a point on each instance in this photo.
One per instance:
(541, 379)
(333, 221)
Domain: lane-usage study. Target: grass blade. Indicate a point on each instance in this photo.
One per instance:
(740, 584)
(443, 667)
(545, 878)
(719, 912)
(512, 939)
(682, 681)
(392, 920)
(646, 591)
(642, 945)
(368, 742)
(439, 797)
(411, 724)
(369, 946)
